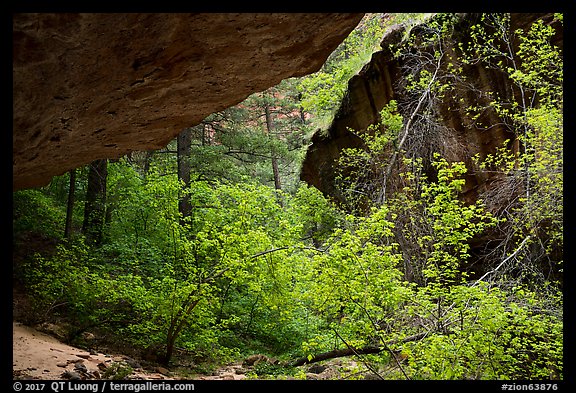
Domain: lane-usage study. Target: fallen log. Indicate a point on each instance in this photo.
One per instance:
(369, 349)
(337, 353)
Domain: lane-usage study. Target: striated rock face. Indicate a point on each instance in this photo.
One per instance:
(91, 86)
(381, 81)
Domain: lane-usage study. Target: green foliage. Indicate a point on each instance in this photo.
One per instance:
(33, 210)
(475, 322)
(390, 118)
(117, 371)
(362, 171)
(288, 273)
(318, 216)
(541, 64)
(325, 90)
(58, 281)
(424, 52)
(453, 224)
(532, 172)
(355, 281)
(322, 92)
(488, 335)
(545, 163)
(535, 68)
(241, 143)
(266, 370)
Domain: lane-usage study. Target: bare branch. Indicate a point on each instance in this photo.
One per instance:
(504, 261)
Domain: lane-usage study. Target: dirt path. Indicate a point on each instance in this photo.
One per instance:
(37, 355)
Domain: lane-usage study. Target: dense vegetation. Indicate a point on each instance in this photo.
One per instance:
(257, 262)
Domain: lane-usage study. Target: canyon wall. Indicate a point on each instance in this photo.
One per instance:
(382, 80)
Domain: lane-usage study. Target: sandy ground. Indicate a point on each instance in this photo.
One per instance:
(37, 355)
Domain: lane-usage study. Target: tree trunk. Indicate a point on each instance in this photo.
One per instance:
(95, 206)
(269, 129)
(147, 161)
(183, 150)
(180, 320)
(70, 205)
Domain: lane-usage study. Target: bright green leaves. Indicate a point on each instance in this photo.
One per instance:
(362, 171)
(322, 92)
(485, 336)
(383, 134)
(451, 225)
(390, 118)
(424, 56)
(528, 169)
(489, 41)
(541, 63)
(313, 215)
(35, 211)
(355, 281)
(58, 280)
(468, 327)
(426, 82)
(535, 67)
(257, 269)
(453, 222)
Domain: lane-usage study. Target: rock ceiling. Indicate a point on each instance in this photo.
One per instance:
(92, 86)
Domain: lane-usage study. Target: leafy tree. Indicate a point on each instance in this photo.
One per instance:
(262, 263)
(322, 91)
(260, 139)
(438, 255)
(33, 210)
(443, 326)
(529, 183)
